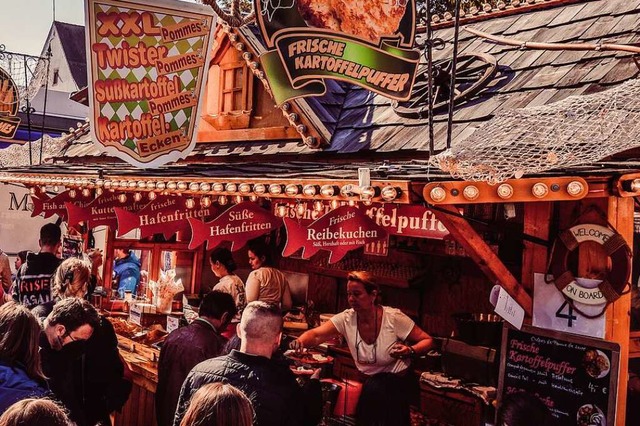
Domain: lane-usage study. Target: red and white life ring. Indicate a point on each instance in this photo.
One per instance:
(613, 284)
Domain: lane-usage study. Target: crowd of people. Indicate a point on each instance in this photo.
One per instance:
(59, 359)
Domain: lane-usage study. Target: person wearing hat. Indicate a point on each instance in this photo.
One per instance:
(95, 258)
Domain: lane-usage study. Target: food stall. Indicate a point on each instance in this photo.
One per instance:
(437, 244)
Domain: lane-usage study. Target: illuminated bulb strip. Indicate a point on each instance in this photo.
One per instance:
(231, 187)
(575, 188)
(275, 189)
(244, 188)
(471, 192)
(259, 188)
(540, 190)
(438, 194)
(505, 191)
(194, 186)
(292, 190)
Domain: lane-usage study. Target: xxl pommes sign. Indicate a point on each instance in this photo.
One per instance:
(148, 62)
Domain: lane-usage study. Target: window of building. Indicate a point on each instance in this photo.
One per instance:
(236, 84)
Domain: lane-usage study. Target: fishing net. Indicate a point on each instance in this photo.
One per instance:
(27, 72)
(575, 131)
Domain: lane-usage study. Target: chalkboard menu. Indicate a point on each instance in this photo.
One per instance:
(575, 376)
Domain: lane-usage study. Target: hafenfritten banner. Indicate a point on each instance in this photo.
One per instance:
(147, 68)
(368, 43)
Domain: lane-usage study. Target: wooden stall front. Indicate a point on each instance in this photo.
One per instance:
(449, 240)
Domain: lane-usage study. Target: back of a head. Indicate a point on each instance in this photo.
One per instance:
(261, 322)
(524, 409)
(216, 303)
(50, 234)
(19, 337)
(71, 278)
(23, 255)
(73, 313)
(35, 412)
(224, 256)
(218, 404)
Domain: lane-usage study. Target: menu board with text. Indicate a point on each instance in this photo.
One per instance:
(575, 377)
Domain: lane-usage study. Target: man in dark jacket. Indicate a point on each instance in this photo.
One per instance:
(33, 280)
(67, 329)
(188, 346)
(270, 385)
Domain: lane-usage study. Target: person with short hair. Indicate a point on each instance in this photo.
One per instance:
(523, 409)
(98, 377)
(270, 385)
(21, 375)
(382, 340)
(185, 347)
(218, 404)
(32, 286)
(96, 259)
(63, 343)
(35, 412)
(266, 283)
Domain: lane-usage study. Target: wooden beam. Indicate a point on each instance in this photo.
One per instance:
(618, 319)
(537, 220)
(486, 259)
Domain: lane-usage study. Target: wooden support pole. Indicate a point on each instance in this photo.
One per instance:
(486, 259)
(537, 220)
(618, 320)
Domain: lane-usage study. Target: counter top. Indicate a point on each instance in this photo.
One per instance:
(142, 361)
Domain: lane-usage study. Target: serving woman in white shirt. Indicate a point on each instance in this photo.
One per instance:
(382, 341)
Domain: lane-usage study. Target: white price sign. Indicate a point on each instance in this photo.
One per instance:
(173, 323)
(553, 312)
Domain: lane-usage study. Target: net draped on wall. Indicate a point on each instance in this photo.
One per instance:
(577, 130)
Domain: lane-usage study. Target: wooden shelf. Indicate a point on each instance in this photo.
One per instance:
(381, 280)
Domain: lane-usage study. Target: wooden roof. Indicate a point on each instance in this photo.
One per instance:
(363, 125)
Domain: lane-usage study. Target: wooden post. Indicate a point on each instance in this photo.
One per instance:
(618, 320)
(537, 220)
(486, 259)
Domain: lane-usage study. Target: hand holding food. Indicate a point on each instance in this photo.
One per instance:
(297, 346)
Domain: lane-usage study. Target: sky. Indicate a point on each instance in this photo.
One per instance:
(24, 24)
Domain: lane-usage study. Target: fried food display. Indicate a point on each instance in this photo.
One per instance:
(367, 19)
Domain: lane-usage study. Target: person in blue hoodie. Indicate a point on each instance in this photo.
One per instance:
(126, 271)
(20, 369)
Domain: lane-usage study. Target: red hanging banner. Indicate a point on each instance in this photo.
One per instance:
(338, 232)
(238, 225)
(101, 211)
(165, 215)
(56, 205)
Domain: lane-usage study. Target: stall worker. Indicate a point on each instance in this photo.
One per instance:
(33, 281)
(265, 283)
(223, 265)
(188, 346)
(382, 340)
(126, 271)
(96, 260)
(87, 377)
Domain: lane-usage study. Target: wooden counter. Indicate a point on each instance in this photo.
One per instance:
(142, 361)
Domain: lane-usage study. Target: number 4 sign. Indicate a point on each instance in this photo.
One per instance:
(552, 311)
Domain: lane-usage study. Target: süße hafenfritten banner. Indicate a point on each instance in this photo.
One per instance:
(147, 67)
(9, 101)
(365, 43)
(238, 224)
